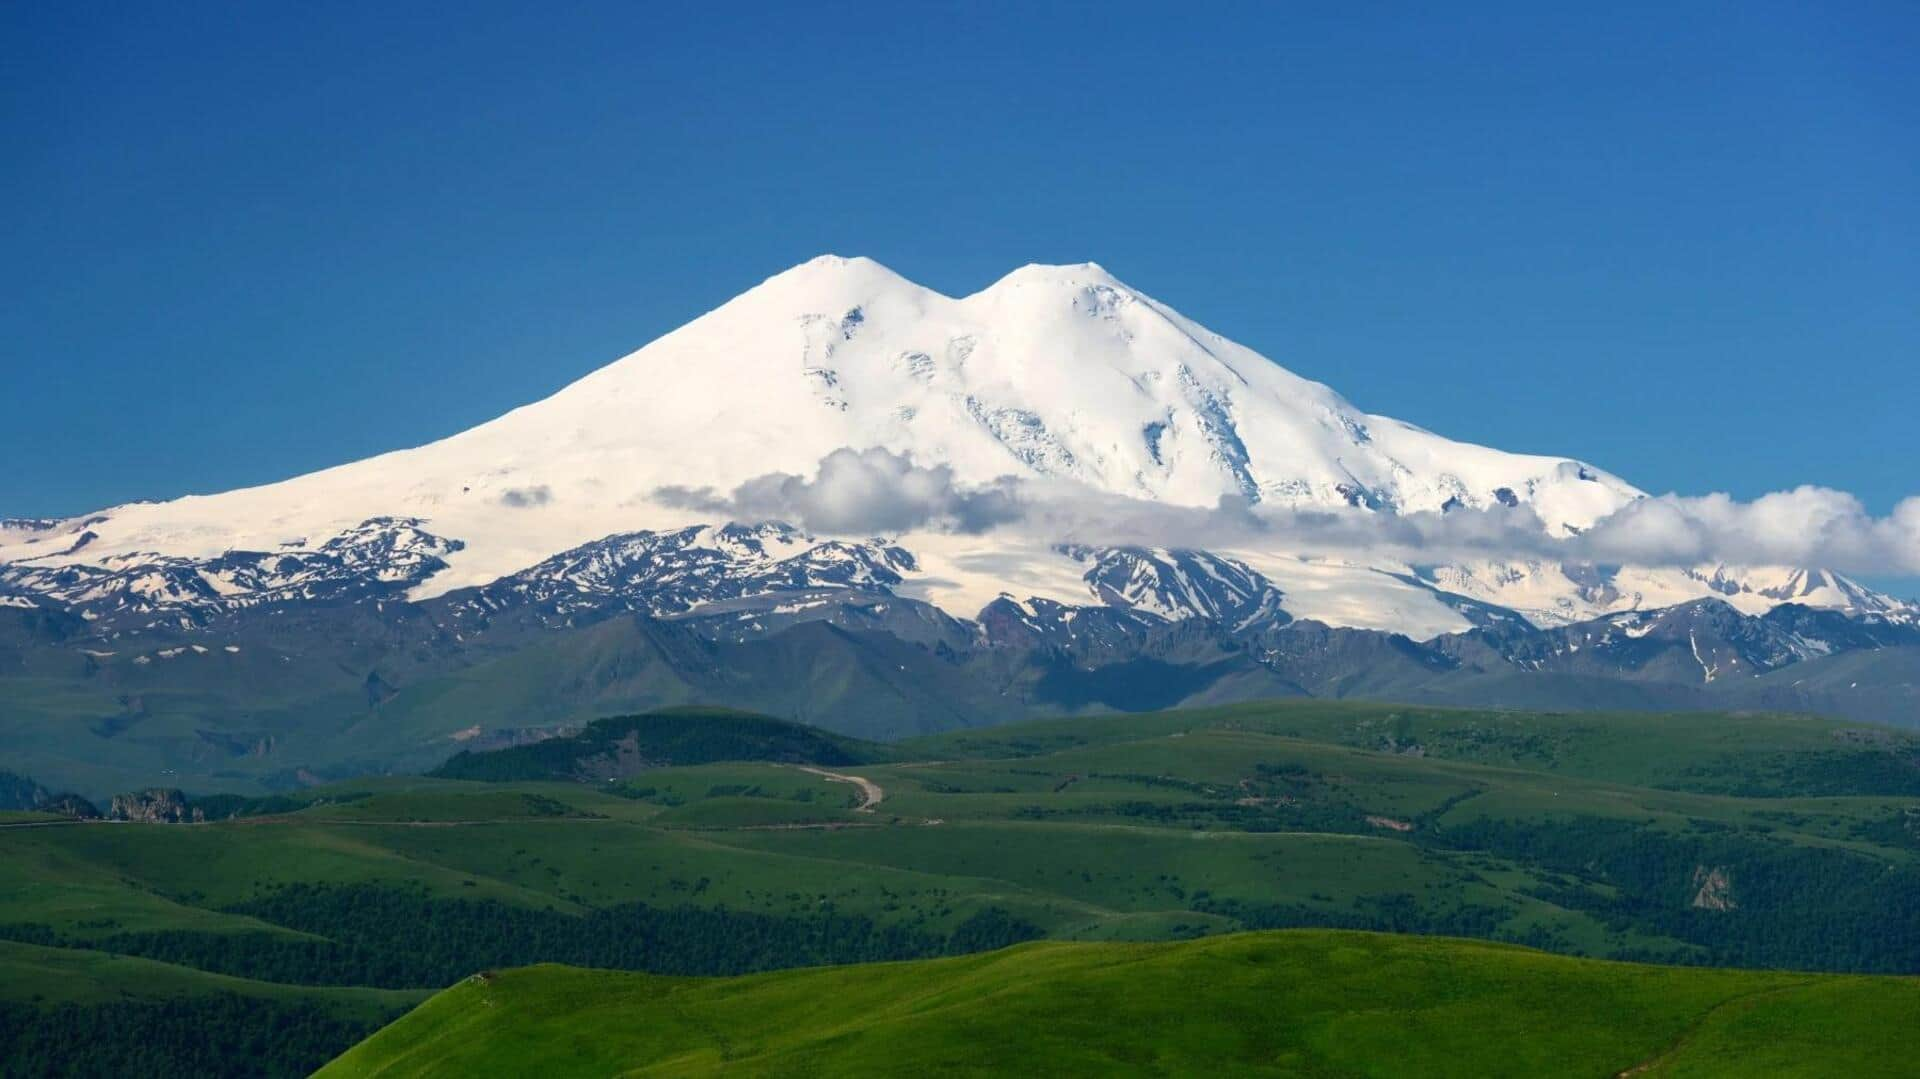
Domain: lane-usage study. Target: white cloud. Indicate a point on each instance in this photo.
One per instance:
(875, 491)
(1807, 526)
(861, 492)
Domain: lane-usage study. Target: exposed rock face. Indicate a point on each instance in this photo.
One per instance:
(1177, 583)
(667, 574)
(477, 739)
(156, 805)
(1713, 889)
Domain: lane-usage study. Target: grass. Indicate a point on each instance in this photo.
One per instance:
(48, 976)
(1762, 753)
(1096, 828)
(1320, 1003)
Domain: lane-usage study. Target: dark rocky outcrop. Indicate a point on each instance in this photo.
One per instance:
(70, 805)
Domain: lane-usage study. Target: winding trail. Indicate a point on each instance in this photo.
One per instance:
(871, 793)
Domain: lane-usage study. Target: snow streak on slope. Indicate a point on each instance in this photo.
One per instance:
(1176, 584)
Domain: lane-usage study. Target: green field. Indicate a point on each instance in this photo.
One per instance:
(1705, 840)
(1304, 1002)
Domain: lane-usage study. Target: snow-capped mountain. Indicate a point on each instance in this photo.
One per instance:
(1053, 374)
(380, 558)
(1703, 642)
(666, 574)
(1055, 495)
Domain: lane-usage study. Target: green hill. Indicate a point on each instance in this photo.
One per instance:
(79, 1012)
(1288, 1003)
(626, 745)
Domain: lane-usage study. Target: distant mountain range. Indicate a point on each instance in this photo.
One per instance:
(620, 546)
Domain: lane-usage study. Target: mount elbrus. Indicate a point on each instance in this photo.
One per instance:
(696, 522)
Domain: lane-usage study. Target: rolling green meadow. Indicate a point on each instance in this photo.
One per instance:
(1786, 847)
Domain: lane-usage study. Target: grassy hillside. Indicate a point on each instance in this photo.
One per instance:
(1752, 841)
(1294, 1003)
(626, 745)
(33, 974)
(66, 1011)
(1756, 840)
(355, 696)
(1758, 753)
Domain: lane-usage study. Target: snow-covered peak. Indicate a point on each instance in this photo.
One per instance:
(825, 279)
(1057, 275)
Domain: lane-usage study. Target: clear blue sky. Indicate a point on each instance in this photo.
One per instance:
(1682, 241)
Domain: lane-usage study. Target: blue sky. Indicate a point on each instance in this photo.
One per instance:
(1681, 241)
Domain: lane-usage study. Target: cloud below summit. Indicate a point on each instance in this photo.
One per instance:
(875, 491)
(861, 492)
(1806, 526)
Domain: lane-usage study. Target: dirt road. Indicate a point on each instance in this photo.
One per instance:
(870, 792)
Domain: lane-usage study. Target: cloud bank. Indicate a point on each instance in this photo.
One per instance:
(874, 491)
(860, 492)
(1807, 526)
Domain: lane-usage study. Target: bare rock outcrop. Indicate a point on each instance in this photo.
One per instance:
(156, 805)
